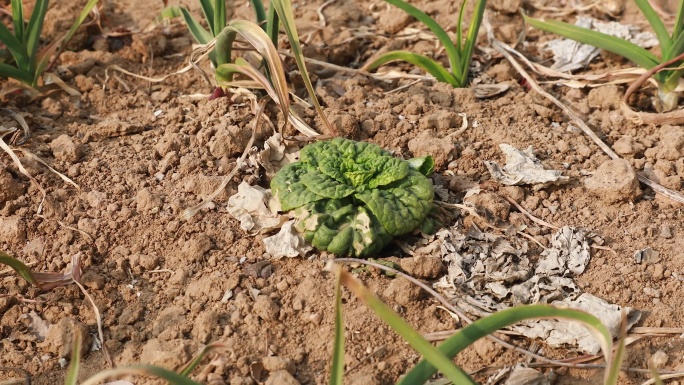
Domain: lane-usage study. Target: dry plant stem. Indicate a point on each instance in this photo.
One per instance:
(21, 168)
(527, 213)
(98, 317)
(646, 75)
(453, 308)
(664, 377)
(507, 52)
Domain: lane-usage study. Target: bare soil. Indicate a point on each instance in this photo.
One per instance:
(143, 152)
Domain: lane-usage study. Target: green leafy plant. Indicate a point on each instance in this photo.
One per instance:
(671, 46)
(459, 51)
(21, 59)
(352, 198)
(440, 358)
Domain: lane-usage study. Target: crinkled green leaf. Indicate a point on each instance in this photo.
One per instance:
(289, 189)
(424, 165)
(352, 197)
(403, 205)
(342, 228)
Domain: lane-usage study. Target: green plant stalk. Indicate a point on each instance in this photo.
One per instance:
(658, 27)
(337, 367)
(490, 324)
(451, 50)
(410, 335)
(467, 50)
(283, 9)
(75, 364)
(259, 12)
(18, 19)
(22, 270)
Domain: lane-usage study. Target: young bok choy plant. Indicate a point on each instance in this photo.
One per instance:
(671, 47)
(459, 51)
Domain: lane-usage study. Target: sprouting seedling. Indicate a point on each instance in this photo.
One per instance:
(21, 59)
(671, 46)
(224, 34)
(459, 51)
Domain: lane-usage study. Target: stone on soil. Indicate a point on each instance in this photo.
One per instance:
(426, 143)
(614, 181)
(402, 292)
(281, 377)
(10, 188)
(12, 229)
(60, 337)
(65, 149)
(422, 266)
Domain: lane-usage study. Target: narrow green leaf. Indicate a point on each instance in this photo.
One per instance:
(187, 369)
(613, 370)
(658, 27)
(259, 12)
(337, 367)
(487, 325)
(219, 16)
(22, 270)
(16, 48)
(208, 9)
(18, 18)
(451, 51)
(600, 40)
(463, 68)
(678, 25)
(200, 34)
(34, 28)
(678, 45)
(273, 25)
(8, 71)
(140, 370)
(410, 335)
(75, 364)
(196, 30)
(428, 65)
(56, 47)
(284, 10)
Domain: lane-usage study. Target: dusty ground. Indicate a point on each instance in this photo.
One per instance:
(143, 152)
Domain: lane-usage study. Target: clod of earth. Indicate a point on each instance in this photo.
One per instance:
(352, 198)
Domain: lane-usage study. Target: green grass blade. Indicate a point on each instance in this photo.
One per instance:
(284, 10)
(259, 12)
(658, 27)
(8, 71)
(75, 364)
(187, 369)
(337, 368)
(444, 39)
(22, 270)
(410, 335)
(196, 30)
(600, 40)
(140, 370)
(18, 18)
(34, 28)
(679, 25)
(470, 40)
(219, 16)
(273, 25)
(485, 326)
(16, 48)
(428, 65)
(678, 45)
(208, 10)
(613, 370)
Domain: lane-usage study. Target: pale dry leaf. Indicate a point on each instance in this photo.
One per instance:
(560, 333)
(568, 255)
(526, 376)
(569, 55)
(249, 206)
(287, 243)
(523, 168)
(38, 326)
